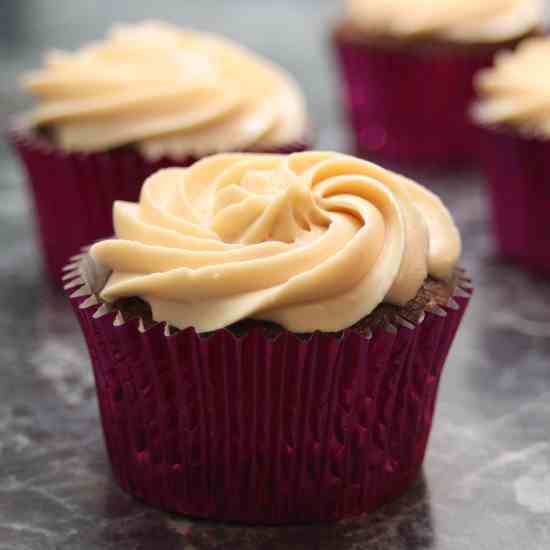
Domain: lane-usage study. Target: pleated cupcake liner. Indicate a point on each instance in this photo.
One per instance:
(517, 170)
(257, 428)
(409, 108)
(73, 193)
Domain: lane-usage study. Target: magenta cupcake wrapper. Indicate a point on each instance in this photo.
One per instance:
(517, 170)
(409, 108)
(262, 429)
(73, 193)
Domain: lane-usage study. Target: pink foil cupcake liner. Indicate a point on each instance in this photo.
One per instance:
(407, 107)
(517, 170)
(73, 193)
(259, 428)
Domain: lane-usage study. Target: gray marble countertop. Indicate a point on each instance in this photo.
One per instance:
(486, 480)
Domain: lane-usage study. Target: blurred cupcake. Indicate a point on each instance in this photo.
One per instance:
(513, 108)
(150, 95)
(267, 335)
(407, 67)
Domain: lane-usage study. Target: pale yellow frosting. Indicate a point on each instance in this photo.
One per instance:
(312, 241)
(516, 90)
(168, 91)
(454, 20)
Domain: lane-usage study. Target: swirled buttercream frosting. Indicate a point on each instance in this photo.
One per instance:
(469, 21)
(166, 91)
(516, 90)
(311, 241)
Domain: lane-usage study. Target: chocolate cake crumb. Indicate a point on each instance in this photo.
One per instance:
(433, 293)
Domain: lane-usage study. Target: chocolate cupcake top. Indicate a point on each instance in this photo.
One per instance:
(167, 91)
(311, 241)
(516, 90)
(468, 21)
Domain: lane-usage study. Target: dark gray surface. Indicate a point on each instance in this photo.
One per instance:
(486, 481)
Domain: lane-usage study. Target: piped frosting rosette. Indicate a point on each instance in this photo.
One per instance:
(168, 91)
(515, 91)
(464, 21)
(311, 241)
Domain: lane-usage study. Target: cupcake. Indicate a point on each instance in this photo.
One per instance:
(512, 108)
(408, 65)
(267, 334)
(148, 96)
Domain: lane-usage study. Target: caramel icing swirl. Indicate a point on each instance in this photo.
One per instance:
(311, 241)
(467, 21)
(167, 91)
(516, 90)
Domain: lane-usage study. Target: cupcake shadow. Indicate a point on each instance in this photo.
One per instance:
(405, 523)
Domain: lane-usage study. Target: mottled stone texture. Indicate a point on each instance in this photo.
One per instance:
(486, 480)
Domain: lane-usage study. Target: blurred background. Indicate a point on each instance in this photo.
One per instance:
(293, 33)
(487, 477)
